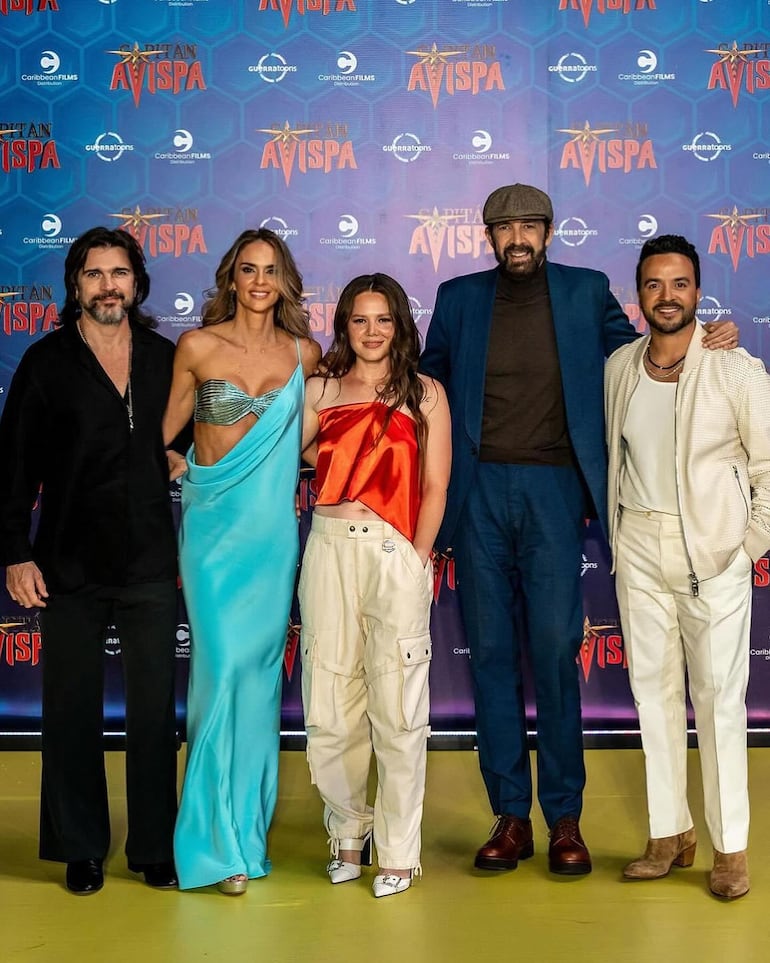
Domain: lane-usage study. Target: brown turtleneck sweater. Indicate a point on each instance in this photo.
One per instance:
(524, 419)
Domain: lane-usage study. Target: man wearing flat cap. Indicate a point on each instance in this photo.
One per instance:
(521, 351)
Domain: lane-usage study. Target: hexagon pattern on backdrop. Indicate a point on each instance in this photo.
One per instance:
(368, 133)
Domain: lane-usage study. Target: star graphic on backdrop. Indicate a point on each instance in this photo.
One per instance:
(135, 218)
(594, 630)
(586, 134)
(734, 220)
(733, 54)
(286, 133)
(135, 55)
(434, 55)
(434, 221)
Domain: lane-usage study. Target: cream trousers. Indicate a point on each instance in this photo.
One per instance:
(667, 630)
(365, 605)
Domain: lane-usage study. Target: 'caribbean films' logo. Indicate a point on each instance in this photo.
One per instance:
(301, 7)
(27, 309)
(738, 234)
(27, 147)
(437, 72)
(587, 150)
(176, 69)
(745, 70)
(458, 232)
(27, 7)
(587, 7)
(320, 147)
(168, 230)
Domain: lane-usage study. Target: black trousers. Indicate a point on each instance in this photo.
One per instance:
(74, 813)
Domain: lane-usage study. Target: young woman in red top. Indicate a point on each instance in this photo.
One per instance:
(382, 452)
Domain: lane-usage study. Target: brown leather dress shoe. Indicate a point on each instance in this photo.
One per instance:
(567, 853)
(511, 840)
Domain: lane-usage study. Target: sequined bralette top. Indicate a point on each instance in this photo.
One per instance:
(220, 402)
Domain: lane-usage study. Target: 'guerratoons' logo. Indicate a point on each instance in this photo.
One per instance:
(27, 147)
(747, 69)
(295, 148)
(587, 151)
(587, 7)
(739, 234)
(178, 235)
(27, 7)
(301, 7)
(176, 69)
(436, 71)
(27, 309)
(458, 232)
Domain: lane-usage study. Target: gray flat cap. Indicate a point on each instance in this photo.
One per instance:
(517, 201)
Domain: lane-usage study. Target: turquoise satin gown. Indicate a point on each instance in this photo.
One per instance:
(238, 556)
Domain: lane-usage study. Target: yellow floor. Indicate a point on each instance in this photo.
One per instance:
(454, 913)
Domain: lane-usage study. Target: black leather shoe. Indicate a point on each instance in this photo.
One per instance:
(85, 877)
(159, 875)
(511, 840)
(567, 853)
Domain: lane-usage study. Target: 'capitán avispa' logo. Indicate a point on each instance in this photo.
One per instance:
(458, 232)
(739, 234)
(181, 234)
(293, 148)
(587, 7)
(435, 72)
(737, 70)
(604, 649)
(27, 147)
(27, 7)
(324, 7)
(176, 69)
(587, 151)
(27, 309)
(21, 646)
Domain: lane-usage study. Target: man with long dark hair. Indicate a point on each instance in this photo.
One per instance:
(82, 423)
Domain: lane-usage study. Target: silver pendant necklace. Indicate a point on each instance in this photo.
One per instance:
(129, 389)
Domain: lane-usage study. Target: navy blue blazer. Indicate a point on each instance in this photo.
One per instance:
(589, 325)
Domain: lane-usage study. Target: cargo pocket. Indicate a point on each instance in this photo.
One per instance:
(415, 655)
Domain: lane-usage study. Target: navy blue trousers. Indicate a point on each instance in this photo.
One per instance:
(518, 549)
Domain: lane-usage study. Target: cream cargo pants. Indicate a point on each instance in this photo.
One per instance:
(365, 604)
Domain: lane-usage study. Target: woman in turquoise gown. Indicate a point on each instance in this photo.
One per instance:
(241, 376)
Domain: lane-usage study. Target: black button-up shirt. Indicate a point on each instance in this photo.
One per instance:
(105, 513)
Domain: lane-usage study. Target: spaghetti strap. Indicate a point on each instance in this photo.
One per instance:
(299, 352)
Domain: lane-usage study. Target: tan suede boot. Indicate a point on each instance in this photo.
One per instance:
(661, 854)
(730, 876)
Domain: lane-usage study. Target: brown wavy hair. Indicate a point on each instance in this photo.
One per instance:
(289, 313)
(404, 387)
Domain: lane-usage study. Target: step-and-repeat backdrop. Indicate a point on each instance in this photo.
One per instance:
(368, 134)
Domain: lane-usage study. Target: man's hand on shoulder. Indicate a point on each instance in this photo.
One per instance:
(721, 334)
(26, 585)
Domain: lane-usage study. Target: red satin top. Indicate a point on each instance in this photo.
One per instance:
(385, 477)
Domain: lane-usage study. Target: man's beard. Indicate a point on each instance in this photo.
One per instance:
(110, 316)
(519, 270)
(674, 326)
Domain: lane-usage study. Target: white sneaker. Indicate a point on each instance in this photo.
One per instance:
(390, 885)
(341, 871)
